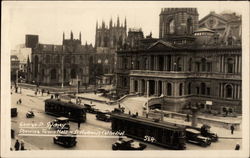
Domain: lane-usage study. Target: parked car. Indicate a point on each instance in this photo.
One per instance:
(194, 136)
(90, 108)
(103, 116)
(13, 112)
(205, 131)
(119, 110)
(30, 114)
(128, 144)
(60, 123)
(65, 140)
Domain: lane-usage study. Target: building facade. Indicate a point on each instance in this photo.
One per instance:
(108, 40)
(184, 67)
(66, 64)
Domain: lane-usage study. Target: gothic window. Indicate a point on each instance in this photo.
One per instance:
(229, 91)
(230, 64)
(36, 66)
(169, 89)
(171, 26)
(189, 88)
(189, 26)
(208, 90)
(53, 74)
(73, 73)
(203, 64)
(180, 89)
(190, 64)
(105, 41)
(203, 88)
(47, 59)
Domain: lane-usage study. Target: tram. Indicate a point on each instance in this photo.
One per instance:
(67, 109)
(160, 133)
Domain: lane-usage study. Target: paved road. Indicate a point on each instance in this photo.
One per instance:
(36, 103)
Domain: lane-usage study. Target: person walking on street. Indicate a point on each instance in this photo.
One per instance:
(17, 145)
(237, 147)
(22, 145)
(79, 124)
(232, 129)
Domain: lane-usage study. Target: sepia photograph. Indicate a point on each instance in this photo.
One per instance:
(152, 78)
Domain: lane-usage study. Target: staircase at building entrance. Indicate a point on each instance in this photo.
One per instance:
(134, 104)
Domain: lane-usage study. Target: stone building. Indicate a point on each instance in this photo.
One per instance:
(183, 66)
(108, 39)
(64, 64)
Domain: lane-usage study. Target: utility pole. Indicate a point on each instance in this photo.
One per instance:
(62, 72)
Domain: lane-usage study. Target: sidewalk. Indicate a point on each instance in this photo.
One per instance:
(27, 146)
(221, 132)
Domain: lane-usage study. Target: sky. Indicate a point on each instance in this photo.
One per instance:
(50, 19)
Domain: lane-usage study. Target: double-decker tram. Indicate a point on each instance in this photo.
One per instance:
(67, 109)
(157, 132)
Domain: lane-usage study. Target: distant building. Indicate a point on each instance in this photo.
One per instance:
(189, 63)
(14, 61)
(56, 64)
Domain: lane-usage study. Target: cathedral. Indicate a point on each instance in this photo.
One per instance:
(66, 64)
(192, 61)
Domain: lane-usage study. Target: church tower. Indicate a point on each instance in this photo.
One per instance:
(178, 22)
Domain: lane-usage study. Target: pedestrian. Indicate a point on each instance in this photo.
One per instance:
(22, 145)
(187, 117)
(237, 147)
(20, 101)
(79, 124)
(232, 129)
(42, 91)
(17, 145)
(51, 96)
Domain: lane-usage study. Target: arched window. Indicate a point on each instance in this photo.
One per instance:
(171, 26)
(169, 89)
(179, 64)
(203, 64)
(53, 74)
(180, 89)
(203, 88)
(189, 88)
(230, 64)
(190, 64)
(229, 91)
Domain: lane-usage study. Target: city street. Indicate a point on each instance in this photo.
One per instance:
(36, 103)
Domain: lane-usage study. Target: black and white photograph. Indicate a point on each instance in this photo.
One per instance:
(125, 79)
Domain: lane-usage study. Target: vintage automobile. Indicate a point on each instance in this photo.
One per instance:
(205, 131)
(118, 110)
(194, 136)
(13, 112)
(65, 140)
(90, 108)
(103, 116)
(60, 123)
(30, 114)
(128, 144)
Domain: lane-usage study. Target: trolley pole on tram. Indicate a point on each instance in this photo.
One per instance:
(147, 98)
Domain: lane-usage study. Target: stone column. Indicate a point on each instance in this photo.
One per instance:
(132, 85)
(156, 88)
(222, 64)
(240, 65)
(239, 92)
(236, 65)
(221, 90)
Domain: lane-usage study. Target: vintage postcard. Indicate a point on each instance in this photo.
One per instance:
(125, 79)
